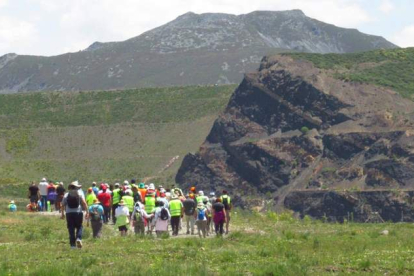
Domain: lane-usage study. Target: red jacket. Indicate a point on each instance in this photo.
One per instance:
(105, 199)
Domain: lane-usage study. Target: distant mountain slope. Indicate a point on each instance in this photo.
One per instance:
(192, 49)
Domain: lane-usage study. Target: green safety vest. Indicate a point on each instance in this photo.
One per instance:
(116, 196)
(175, 207)
(90, 198)
(129, 202)
(121, 221)
(225, 196)
(201, 199)
(149, 204)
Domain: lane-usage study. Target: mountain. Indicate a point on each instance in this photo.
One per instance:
(192, 49)
(324, 135)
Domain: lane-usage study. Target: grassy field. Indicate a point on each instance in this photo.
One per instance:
(105, 135)
(259, 244)
(390, 68)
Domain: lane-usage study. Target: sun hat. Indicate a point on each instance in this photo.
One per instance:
(122, 202)
(116, 184)
(43, 179)
(200, 204)
(141, 185)
(126, 182)
(212, 193)
(201, 193)
(75, 184)
(12, 202)
(151, 186)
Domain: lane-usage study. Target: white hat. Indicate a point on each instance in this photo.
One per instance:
(212, 193)
(43, 179)
(12, 202)
(128, 192)
(76, 184)
(201, 193)
(126, 182)
(151, 186)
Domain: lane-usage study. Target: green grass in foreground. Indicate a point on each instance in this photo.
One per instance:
(258, 245)
(392, 68)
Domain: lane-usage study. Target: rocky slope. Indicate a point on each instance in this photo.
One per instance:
(296, 136)
(193, 49)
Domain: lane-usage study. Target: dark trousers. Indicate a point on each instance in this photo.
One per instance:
(113, 212)
(44, 202)
(74, 222)
(175, 224)
(96, 228)
(219, 227)
(107, 210)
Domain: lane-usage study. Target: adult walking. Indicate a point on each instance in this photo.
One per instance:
(176, 211)
(201, 219)
(43, 185)
(226, 201)
(105, 199)
(139, 217)
(60, 191)
(73, 205)
(122, 218)
(189, 209)
(34, 194)
(219, 217)
(96, 213)
(116, 198)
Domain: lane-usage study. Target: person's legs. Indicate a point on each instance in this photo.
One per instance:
(96, 228)
(44, 203)
(187, 221)
(216, 228)
(228, 217)
(70, 221)
(175, 222)
(221, 227)
(192, 222)
(198, 228)
(113, 212)
(106, 211)
(203, 225)
(79, 228)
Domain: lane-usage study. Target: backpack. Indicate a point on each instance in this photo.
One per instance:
(138, 214)
(73, 199)
(95, 216)
(164, 214)
(201, 214)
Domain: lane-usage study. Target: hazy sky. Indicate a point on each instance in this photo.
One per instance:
(51, 27)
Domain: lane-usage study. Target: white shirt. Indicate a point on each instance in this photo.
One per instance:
(121, 210)
(43, 188)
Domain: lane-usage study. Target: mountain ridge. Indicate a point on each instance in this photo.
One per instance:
(190, 50)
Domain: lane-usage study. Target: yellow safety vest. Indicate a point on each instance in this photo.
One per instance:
(129, 202)
(90, 198)
(149, 204)
(116, 196)
(175, 207)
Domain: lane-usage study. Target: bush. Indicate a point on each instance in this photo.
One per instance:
(304, 130)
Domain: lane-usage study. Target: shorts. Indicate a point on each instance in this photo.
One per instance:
(123, 228)
(33, 199)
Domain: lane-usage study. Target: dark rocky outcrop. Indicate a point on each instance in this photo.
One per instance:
(294, 136)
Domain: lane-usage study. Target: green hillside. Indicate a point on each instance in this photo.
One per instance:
(390, 68)
(108, 135)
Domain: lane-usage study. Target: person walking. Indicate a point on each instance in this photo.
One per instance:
(201, 219)
(161, 218)
(139, 218)
(176, 211)
(208, 206)
(43, 185)
(150, 208)
(122, 218)
(94, 188)
(72, 205)
(219, 217)
(90, 197)
(34, 194)
(189, 209)
(12, 206)
(96, 213)
(129, 200)
(60, 192)
(105, 200)
(51, 195)
(226, 200)
(116, 198)
(142, 191)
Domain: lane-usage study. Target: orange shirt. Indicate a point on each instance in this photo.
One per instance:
(143, 193)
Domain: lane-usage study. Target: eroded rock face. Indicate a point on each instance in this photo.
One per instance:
(291, 128)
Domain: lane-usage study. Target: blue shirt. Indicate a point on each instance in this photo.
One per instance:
(98, 208)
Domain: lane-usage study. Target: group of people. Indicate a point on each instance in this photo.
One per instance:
(143, 209)
(46, 196)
